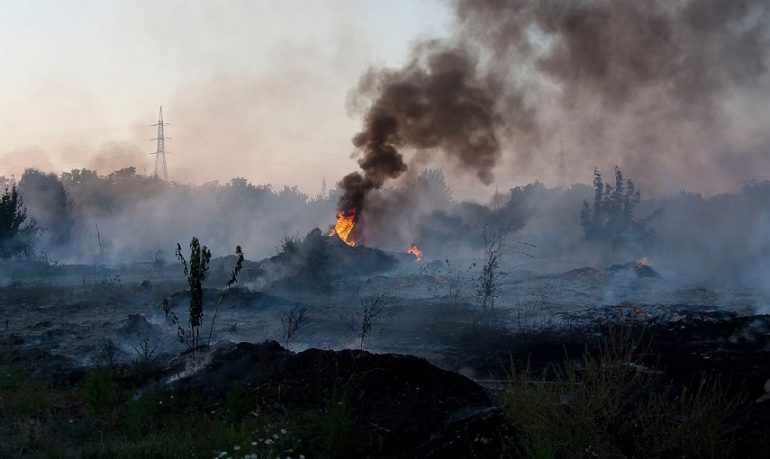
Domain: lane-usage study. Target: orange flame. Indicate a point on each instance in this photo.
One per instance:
(346, 221)
(416, 251)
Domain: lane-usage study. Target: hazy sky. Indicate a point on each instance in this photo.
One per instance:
(260, 89)
(251, 88)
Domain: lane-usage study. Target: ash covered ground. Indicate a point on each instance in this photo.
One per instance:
(430, 307)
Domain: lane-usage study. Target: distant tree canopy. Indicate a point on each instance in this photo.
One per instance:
(15, 235)
(611, 217)
(46, 200)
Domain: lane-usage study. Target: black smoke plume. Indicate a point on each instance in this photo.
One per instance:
(641, 85)
(438, 102)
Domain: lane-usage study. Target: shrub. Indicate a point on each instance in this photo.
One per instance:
(237, 403)
(334, 427)
(363, 319)
(101, 391)
(195, 271)
(146, 362)
(292, 324)
(609, 405)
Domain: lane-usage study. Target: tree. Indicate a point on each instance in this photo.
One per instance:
(230, 281)
(488, 283)
(195, 271)
(46, 199)
(364, 319)
(293, 323)
(16, 232)
(611, 218)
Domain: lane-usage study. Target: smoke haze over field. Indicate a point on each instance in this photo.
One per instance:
(124, 218)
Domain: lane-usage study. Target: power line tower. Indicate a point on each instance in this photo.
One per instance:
(496, 199)
(562, 165)
(161, 170)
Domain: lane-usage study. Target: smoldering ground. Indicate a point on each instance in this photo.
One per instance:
(124, 218)
(492, 97)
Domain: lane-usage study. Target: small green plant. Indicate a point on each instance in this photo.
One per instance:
(146, 362)
(334, 427)
(292, 324)
(237, 403)
(195, 271)
(20, 398)
(101, 391)
(143, 413)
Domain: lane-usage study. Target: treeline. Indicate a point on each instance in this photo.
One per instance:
(123, 216)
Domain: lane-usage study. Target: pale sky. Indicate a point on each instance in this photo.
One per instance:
(259, 89)
(251, 88)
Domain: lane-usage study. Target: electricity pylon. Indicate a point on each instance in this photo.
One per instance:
(161, 170)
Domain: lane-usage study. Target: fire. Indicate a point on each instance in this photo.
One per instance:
(416, 251)
(346, 221)
(644, 261)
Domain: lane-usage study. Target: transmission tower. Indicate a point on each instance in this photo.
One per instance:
(161, 170)
(562, 166)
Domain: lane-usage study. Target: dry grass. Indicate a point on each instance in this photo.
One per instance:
(606, 404)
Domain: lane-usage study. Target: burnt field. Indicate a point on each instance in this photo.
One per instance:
(437, 229)
(395, 357)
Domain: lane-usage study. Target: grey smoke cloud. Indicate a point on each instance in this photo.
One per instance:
(654, 86)
(666, 90)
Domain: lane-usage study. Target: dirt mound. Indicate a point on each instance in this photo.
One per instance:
(398, 402)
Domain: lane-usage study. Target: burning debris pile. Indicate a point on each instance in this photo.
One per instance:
(318, 260)
(640, 268)
(416, 251)
(345, 226)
